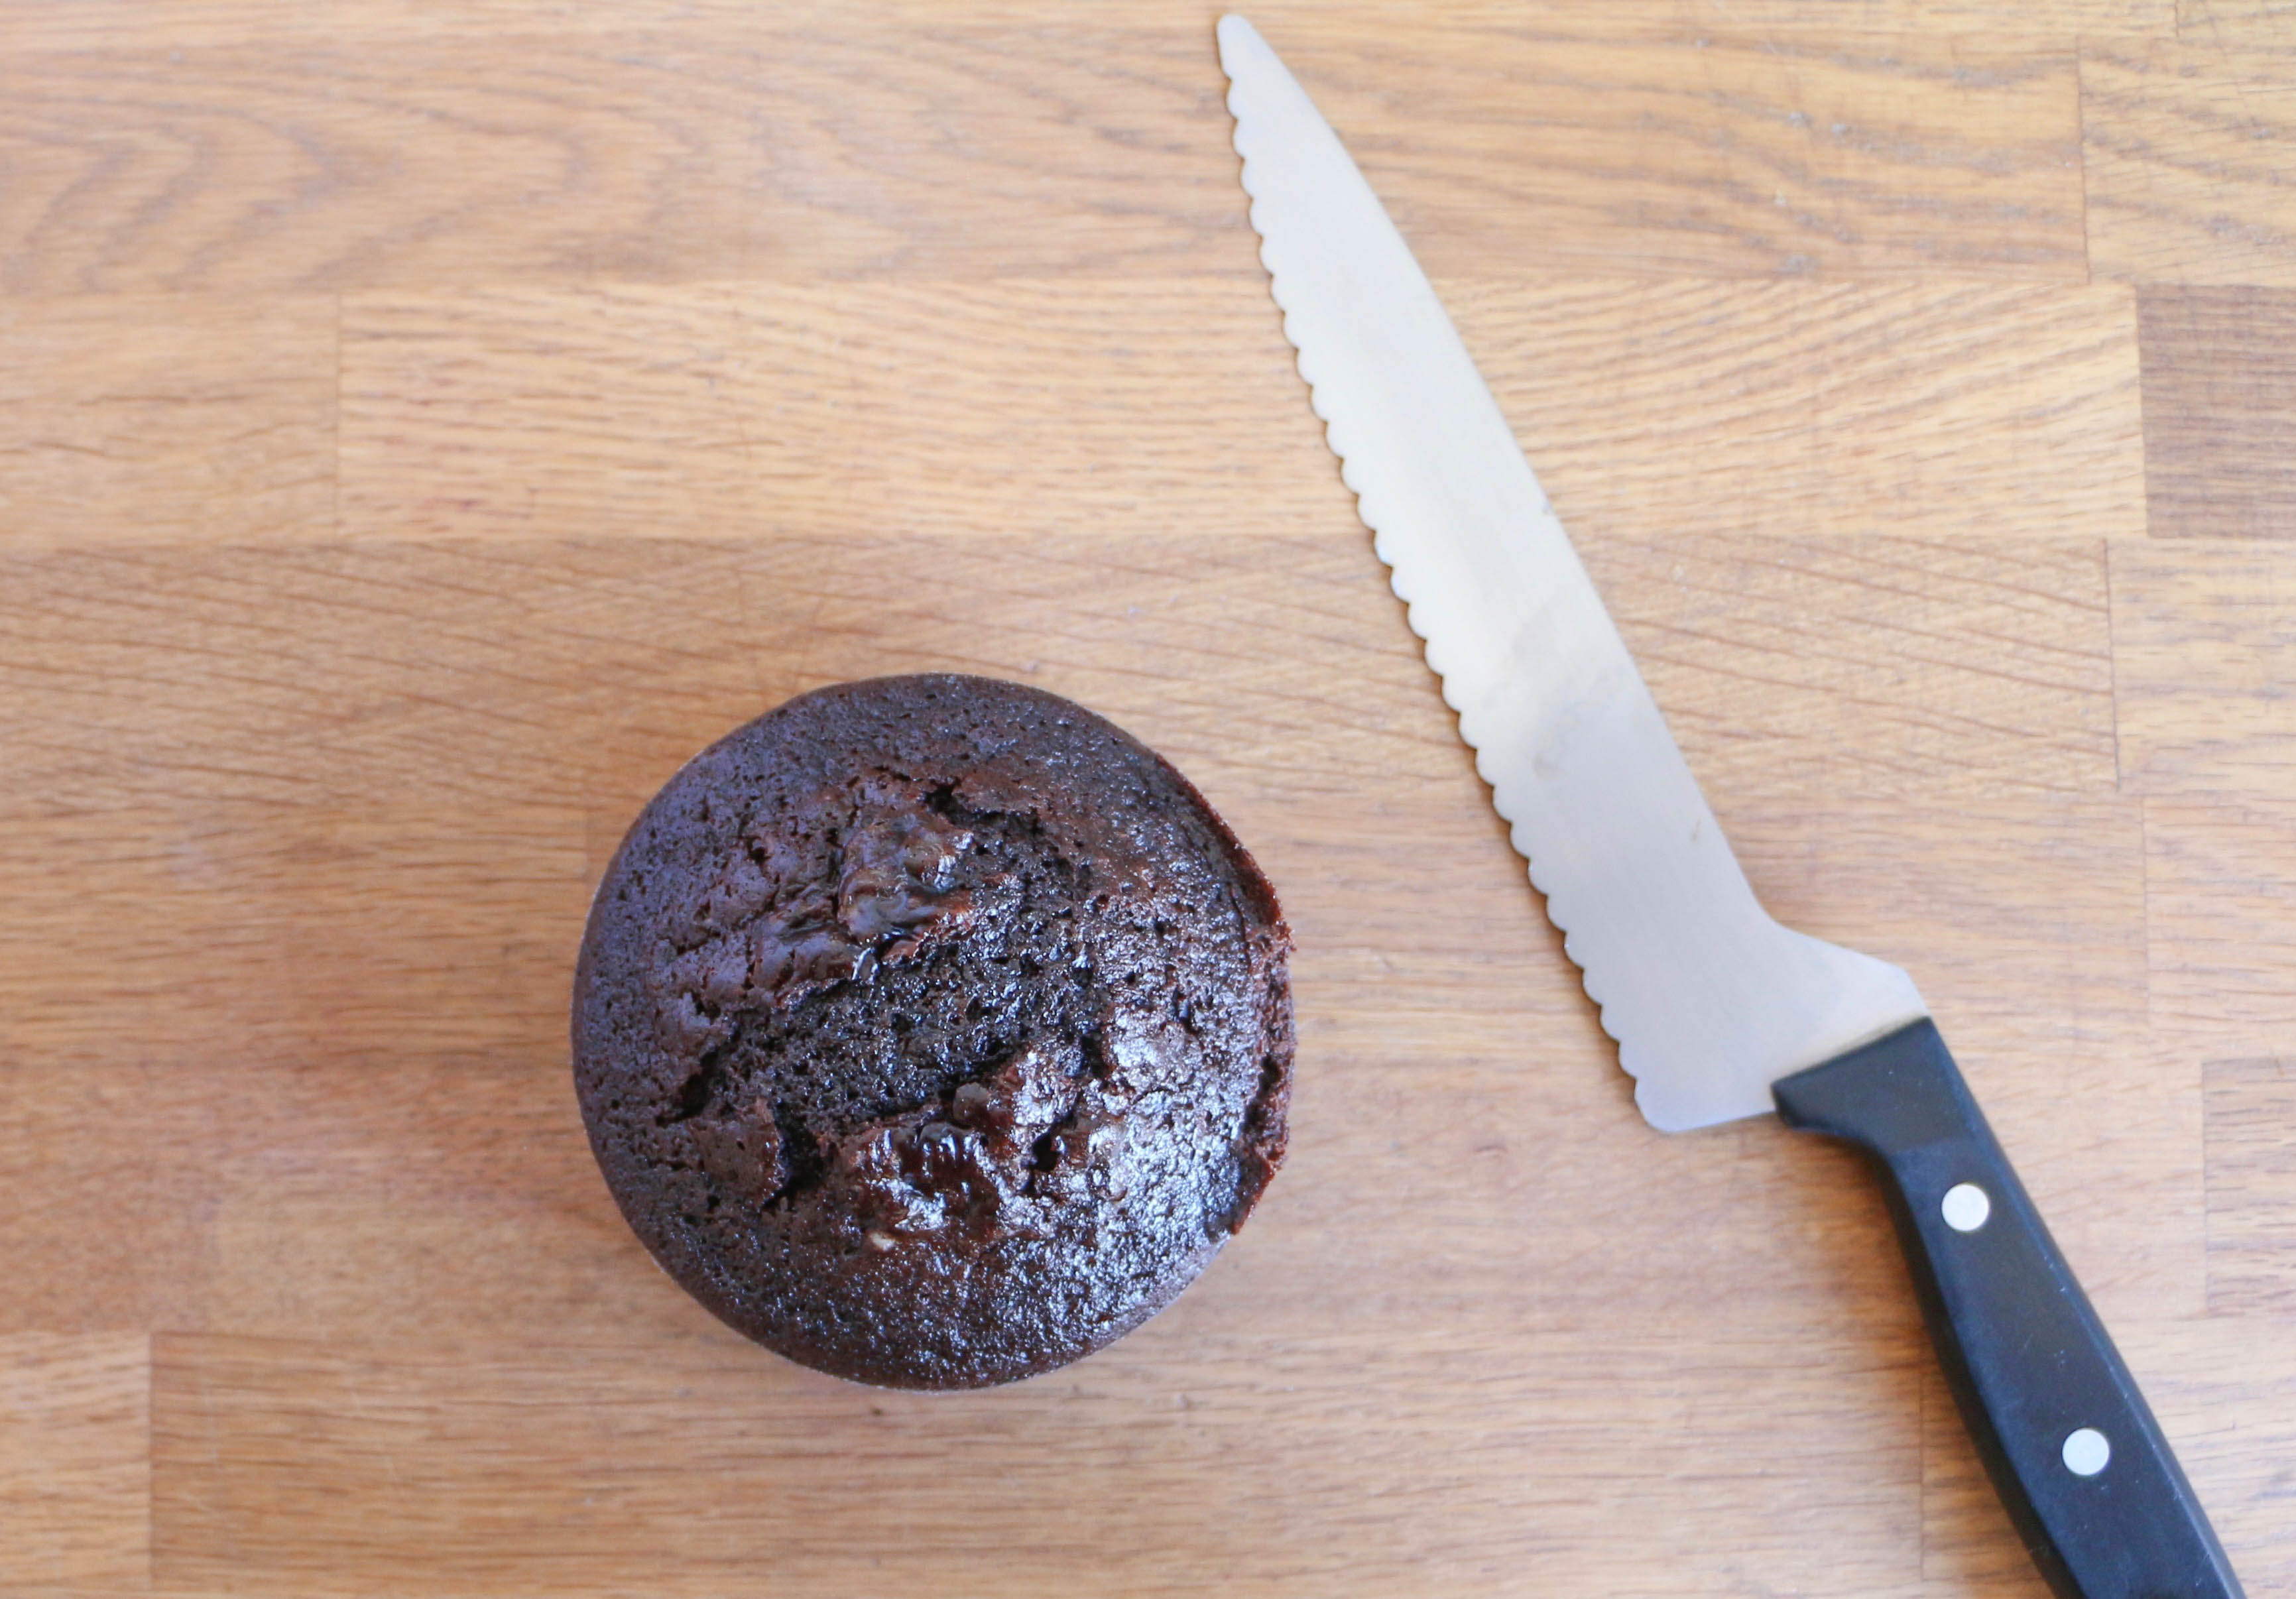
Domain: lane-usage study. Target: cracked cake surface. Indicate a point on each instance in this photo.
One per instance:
(934, 1032)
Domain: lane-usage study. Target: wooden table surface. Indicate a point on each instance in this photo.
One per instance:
(424, 426)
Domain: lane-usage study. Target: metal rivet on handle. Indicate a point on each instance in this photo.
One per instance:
(1966, 1205)
(2086, 1451)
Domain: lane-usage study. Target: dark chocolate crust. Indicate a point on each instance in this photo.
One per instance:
(932, 1031)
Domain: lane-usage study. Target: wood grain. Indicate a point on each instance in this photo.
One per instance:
(1994, 415)
(427, 427)
(160, 420)
(1920, 409)
(817, 411)
(400, 1196)
(2237, 1458)
(770, 153)
(75, 1461)
(2200, 657)
(339, 928)
(2202, 664)
(2235, 24)
(1087, 150)
(2219, 411)
(1988, 649)
(2251, 1176)
(2182, 155)
(575, 1469)
(1711, 153)
(1962, 1551)
(2224, 940)
(98, 24)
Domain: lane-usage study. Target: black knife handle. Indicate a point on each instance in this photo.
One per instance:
(2036, 1377)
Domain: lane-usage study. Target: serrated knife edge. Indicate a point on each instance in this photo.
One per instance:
(1562, 634)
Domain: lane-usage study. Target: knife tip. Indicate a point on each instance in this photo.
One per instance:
(1236, 35)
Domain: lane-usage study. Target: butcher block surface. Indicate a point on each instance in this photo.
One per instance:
(423, 427)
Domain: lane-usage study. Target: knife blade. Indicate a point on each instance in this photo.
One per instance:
(1718, 1012)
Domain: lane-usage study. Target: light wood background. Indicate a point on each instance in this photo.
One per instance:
(423, 426)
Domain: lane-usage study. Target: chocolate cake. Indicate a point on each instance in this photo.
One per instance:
(932, 1031)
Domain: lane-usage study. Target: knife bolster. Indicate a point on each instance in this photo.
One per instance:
(1891, 1096)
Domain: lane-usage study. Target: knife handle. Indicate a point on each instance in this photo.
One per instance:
(2071, 1448)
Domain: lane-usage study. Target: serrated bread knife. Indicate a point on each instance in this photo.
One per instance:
(1718, 1012)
